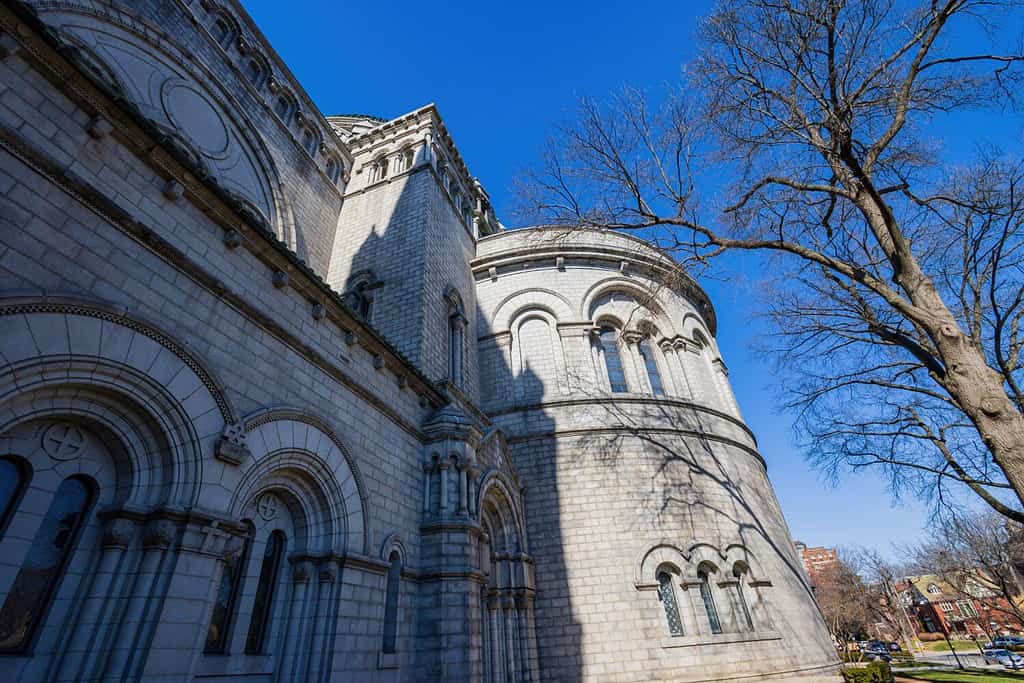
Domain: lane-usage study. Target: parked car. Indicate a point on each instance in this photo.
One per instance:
(1008, 660)
(876, 650)
(1008, 641)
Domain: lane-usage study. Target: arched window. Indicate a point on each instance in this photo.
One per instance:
(456, 338)
(264, 600)
(651, 365)
(41, 571)
(254, 71)
(407, 158)
(741, 598)
(391, 604)
(224, 606)
(284, 108)
(309, 141)
(609, 338)
(379, 169)
(222, 32)
(333, 170)
(708, 596)
(12, 482)
(667, 596)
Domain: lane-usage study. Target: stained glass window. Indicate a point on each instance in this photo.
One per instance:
(651, 363)
(709, 602)
(612, 359)
(391, 604)
(12, 479)
(39, 574)
(668, 602)
(264, 600)
(224, 606)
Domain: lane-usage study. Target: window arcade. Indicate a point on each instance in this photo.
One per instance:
(651, 366)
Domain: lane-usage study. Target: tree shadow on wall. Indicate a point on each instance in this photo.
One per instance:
(558, 629)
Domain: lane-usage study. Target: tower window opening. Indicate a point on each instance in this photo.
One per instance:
(651, 365)
(609, 337)
(667, 596)
(265, 593)
(708, 597)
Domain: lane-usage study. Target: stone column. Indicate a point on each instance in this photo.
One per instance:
(129, 645)
(428, 474)
(81, 656)
(328, 574)
(725, 388)
(632, 365)
(511, 626)
(670, 373)
(684, 385)
(443, 469)
(292, 651)
(463, 489)
(497, 639)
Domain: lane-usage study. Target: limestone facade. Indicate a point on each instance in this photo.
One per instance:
(281, 400)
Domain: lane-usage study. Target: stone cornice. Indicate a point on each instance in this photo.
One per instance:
(557, 247)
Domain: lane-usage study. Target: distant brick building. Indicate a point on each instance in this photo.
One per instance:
(936, 606)
(816, 559)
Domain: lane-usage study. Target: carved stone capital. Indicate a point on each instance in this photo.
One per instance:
(118, 533)
(328, 571)
(301, 571)
(159, 533)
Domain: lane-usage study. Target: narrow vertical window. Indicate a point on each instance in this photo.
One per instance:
(30, 593)
(651, 364)
(391, 604)
(456, 324)
(741, 597)
(612, 359)
(709, 602)
(264, 601)
(283, 108)
(667, 596)
(12, 481)
(224, 606)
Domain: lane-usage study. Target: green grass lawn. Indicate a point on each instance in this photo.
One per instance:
(963, 676)
(959, 645)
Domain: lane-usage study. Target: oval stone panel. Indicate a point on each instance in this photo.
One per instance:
(194, 116)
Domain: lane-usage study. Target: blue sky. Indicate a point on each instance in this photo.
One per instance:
(503, 75)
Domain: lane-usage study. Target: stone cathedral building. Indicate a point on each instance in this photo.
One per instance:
(281, 400)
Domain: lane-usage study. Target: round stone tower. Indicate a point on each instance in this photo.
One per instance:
(660, 549)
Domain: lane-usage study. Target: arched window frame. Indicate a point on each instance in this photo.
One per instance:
(745, 618)
(392, 596)
(362, 292)
(608, 336)
(333, 169)
(667, 577)
(232, 579)
(284, 107)
(456, 337)
(310, 141)
(266, 592)
(379, 168)
(58, 569)
(223, 30)
(652, 364)
(256, 71)
(707, 595)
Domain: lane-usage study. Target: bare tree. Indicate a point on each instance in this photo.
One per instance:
(859, 597)
(971, 553)
(898, 293)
